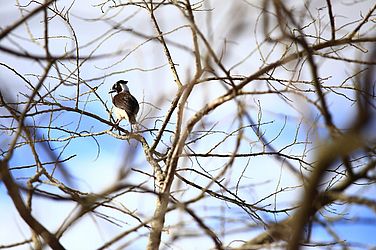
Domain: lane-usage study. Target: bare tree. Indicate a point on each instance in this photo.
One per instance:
(256, 127)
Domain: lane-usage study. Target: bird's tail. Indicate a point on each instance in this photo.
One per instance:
(132, 120)
(135, 126)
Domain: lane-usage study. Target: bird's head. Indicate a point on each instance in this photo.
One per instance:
(119, 86)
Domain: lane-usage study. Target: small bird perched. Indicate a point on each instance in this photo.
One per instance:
(125, 105)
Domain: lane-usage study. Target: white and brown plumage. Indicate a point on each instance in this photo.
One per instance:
(125, 105)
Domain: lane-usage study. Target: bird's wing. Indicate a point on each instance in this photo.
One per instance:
(126, 102)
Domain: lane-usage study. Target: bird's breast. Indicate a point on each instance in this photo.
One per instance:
(120, 113)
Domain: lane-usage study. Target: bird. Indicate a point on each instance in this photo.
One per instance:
(125, 105)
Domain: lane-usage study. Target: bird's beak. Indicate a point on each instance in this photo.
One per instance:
(112, 91)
